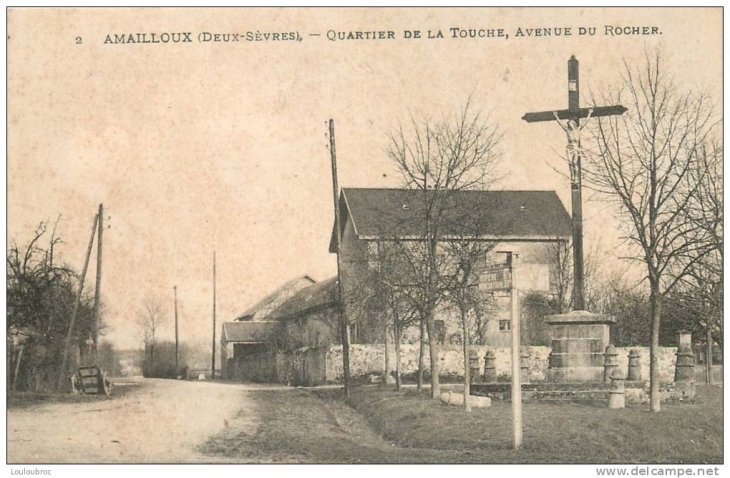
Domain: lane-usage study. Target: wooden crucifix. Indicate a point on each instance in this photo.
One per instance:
(572, 127)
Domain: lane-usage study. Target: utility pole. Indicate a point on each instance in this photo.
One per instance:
(344, 324)
(515, 329)
(67, 346)
(212, 375)
(572, 128)
(97, 291)
(177, 343)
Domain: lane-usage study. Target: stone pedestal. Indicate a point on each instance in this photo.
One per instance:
(524, 365)
(634, 366)
(578, 340)
(684, 371)
(610, 364)
(473, 366)
(490, 367)
(617, 394)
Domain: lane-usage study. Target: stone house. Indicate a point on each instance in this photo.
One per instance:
(309, 318)
(528, 222)
(263, 308)
(301, 313)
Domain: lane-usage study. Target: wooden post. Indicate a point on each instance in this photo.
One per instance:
(67, 346)
(515, 329)
(577, 212)
(97, 290)
(177, 343)
(344, 324)
(212, 373)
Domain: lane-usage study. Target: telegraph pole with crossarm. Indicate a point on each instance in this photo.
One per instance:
(572, 127)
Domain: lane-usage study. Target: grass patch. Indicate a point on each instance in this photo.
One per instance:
(303, 426)
(379, 425)
(553, 433)
(295, 427)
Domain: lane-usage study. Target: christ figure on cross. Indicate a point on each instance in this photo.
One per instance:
(572, 128)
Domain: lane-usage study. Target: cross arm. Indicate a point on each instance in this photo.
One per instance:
(574, 114)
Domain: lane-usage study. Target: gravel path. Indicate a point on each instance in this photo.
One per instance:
(162, 421)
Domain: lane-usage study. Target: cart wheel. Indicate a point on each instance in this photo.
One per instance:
(75, 385)
(107, 384)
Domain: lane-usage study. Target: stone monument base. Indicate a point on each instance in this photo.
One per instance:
(578, 340)
(574, 374)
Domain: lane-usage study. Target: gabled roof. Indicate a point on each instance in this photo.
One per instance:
(248, 332)
(496, 215)
(271, 297)
(310, 299)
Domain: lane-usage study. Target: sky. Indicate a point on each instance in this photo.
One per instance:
(203, 147)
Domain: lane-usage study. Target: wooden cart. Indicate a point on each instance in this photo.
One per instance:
(91, 380)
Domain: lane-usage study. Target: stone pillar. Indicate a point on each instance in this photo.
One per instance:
(610, 363)
(524, 365)
(684, 371)
(617, 394)
(634, 366)
(473, 366)
(490, 367)
(684, 338)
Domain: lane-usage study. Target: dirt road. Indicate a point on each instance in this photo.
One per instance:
(159, 421)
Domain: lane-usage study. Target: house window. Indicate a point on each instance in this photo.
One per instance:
(504, 325)
(440, 331)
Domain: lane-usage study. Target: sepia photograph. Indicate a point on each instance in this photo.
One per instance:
(365, 235)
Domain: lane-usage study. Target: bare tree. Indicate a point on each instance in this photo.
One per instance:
(41, 293)
(437, 158)
(647, 160)
(150, 320)
(702, 286)
(560, 259)
(464, 293)
(398, 298)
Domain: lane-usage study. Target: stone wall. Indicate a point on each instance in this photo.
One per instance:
(319, 365)
(302, 367)
(368, 359)
(667, 360)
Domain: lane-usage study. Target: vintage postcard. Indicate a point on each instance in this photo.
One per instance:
(365, 236)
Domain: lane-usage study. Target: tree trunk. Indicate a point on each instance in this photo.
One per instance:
(398, 380)
(17, 367)
(708, 361)
(656, 315)
(465, 341)
(386, 374)
(152, 358)
(345, 327)
(421, 351)
(434, 355)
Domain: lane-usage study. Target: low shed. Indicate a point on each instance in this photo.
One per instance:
(242, 339)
